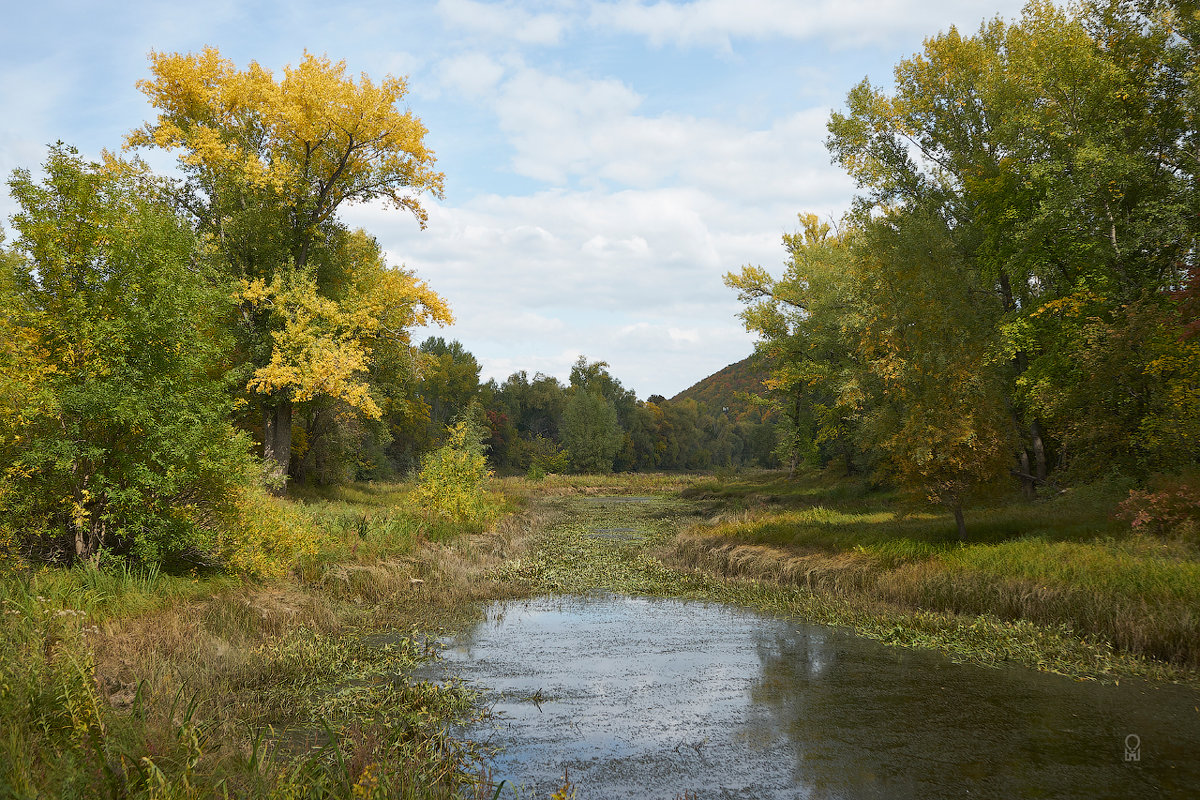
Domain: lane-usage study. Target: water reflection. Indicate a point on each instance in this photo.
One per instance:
(651, 698)
(885, 722)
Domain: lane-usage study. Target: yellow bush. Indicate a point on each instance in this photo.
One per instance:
(453, 478)
(262, 536)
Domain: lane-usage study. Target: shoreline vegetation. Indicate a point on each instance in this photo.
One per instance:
(146, 684)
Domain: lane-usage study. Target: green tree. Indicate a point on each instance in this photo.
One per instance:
(1055, 148)
(122, 443)
(934, 406)
(591, 433)
(594, 377)
(806, 323)
(453, 479)
(449, 379)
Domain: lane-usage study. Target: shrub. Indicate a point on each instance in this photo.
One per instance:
(453, 479)
(1170, 507)
(262, 536)
(116, 437)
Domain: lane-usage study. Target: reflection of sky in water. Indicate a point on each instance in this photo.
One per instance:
(649, 698)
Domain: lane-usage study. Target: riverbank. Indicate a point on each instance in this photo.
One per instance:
(142, 684)
(133, 684)
(834, 553)
(1057, 585)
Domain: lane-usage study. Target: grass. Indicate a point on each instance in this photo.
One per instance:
(572, 556)
(125, 682)
(1063, 562)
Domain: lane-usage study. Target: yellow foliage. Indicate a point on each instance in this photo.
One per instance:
(453, 479)
(324, 347)
(262, 536)
(316, 134)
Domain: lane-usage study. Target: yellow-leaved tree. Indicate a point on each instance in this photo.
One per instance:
(344, 349)
(268, 162)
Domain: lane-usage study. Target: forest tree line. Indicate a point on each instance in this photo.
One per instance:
(539, 425)
(1014, 294)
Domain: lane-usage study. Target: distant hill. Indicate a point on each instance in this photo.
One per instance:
(729, 389)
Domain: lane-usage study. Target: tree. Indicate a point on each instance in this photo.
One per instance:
(934, 400)
(1060, 158)
(449, 379)
(594, 377)
(268, 164)
(122, 441)
(453, 479)
(806, 329)
(325, 352)
(591, 433)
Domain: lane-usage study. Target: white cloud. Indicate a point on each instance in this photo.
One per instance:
(717, 23)
(472, 74)
(503, 21)
(591, 132)
(557, 365)
(625, 276)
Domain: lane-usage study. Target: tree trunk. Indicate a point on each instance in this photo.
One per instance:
(961, 522)
(1039, 449)
(277, 442)
(1028, 484)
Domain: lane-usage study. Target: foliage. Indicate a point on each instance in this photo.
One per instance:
(934, 404)
(546, 457)
(591, 432)
(1116, 380)
(263, 536)
(1013, 290)
(122, 440)
(449, 379)
(806, 320)
(453, 479)
(1170, 507)
(268, 164)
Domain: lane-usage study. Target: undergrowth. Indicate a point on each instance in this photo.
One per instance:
(285, 676)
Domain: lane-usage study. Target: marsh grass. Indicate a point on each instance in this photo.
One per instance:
(124, 682)
(832, 588)
(1059, 562)
(128, 682)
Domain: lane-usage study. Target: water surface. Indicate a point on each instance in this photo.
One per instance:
(643, 698)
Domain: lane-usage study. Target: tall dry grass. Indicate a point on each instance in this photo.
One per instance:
(135, 683)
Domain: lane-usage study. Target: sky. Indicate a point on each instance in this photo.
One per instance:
(606, 161)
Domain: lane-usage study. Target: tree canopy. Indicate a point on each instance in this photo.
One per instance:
(268, 162)
(1010, 291)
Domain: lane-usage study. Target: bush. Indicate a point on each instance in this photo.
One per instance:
(116, 437)
(547, 457)
(453, 479)
(1169, 508)
(262, 536)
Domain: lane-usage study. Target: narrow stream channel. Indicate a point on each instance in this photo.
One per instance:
(645, 698)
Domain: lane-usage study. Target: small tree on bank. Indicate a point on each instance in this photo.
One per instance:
(122, 442)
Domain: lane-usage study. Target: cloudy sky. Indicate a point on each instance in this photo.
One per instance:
(606, 161)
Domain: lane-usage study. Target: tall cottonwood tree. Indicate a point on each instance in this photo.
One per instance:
(268, 164)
